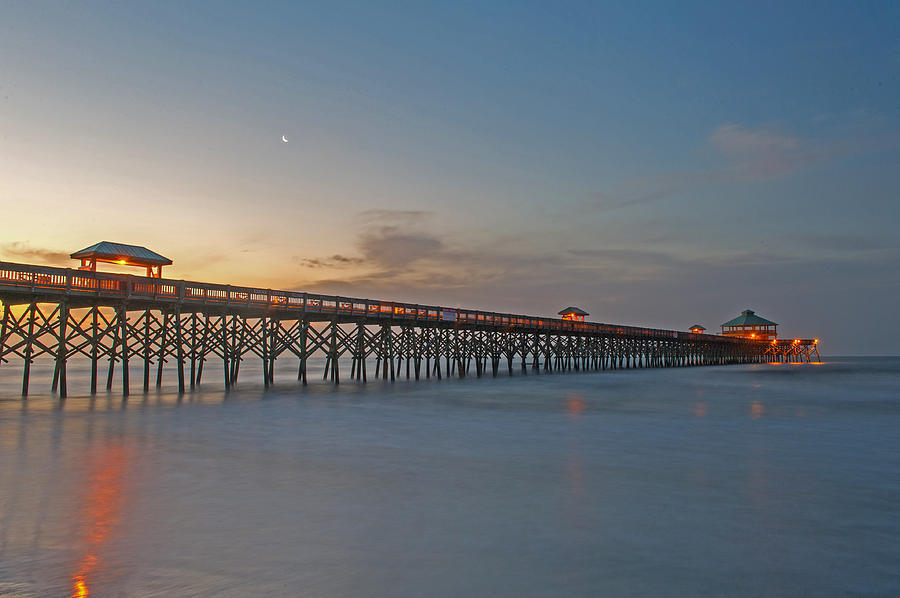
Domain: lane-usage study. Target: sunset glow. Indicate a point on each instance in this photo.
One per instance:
(501, 299)
(554, 173)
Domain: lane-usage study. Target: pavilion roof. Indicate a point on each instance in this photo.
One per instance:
(573, 310)
(134, 254)
(697, 326)
(749, 318)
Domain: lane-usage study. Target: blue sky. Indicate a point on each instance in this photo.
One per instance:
(659, 164)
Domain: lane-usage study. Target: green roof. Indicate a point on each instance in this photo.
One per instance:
(697, 326)
(749, 318)
(115, 251)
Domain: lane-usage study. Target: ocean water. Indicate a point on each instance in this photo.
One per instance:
(763, 480)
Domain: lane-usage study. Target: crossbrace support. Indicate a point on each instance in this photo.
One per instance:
(119, 335)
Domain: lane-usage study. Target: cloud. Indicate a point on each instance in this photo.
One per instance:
(845, 242)
(657, 187)
(393, 217)
(18, 250)
(748, 155)
(389, 247)
(739, 140)
(635, 285)
(335, 261)
(764, 153)
(411, 262)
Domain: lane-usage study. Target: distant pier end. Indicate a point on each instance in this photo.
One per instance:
(749, 325)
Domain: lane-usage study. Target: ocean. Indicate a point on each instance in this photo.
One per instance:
(757, 480)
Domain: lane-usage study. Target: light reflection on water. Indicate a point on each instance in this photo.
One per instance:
(101, 511)
(698, 481)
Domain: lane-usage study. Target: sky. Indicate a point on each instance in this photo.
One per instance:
(654, 163)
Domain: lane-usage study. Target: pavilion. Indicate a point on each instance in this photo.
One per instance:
(697, 329)
(573, 313)
(750, 325)
(123, 255)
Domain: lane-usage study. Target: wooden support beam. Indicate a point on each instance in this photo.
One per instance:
(163, 342)
(4, 332)
(179, 351)
(61, 351)
(123, 346)
(304, 335)
(29, 345)
(146, 351)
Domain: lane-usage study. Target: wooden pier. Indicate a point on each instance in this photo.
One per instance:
(114, 320)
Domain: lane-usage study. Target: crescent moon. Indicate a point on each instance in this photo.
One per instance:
(284, 139)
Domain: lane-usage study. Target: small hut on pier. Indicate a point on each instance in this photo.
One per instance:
(750, 325)
(573, 313)
(123, 255)
(697, 329)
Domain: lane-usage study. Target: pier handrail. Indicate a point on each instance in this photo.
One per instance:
(74, 283)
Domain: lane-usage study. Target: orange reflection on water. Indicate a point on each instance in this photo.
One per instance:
(574, 405)
(101, 512)
(700, 409)
(575, 475)
(757, 410)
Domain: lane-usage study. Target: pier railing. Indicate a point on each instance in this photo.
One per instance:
(88, 287)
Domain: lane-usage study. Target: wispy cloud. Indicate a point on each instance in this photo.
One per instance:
(845, 242)
(665, 289)
(740, 140)
(656, 187)
(335, 261)
(764, 153)
(746, 155)
(19, 250)
(393, 217)
(398, 254)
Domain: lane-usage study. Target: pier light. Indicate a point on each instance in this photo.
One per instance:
(121, 255)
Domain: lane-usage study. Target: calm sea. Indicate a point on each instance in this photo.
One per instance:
(779, 480)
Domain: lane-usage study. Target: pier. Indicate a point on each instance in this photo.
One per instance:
(114, 320)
